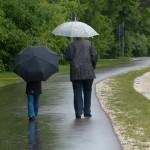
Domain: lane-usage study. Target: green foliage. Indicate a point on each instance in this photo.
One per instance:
(30, 22)
(2, 67)
(105, 41)
(145, 22)
(12, 40)
(137, 43)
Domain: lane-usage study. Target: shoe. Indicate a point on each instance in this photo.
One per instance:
(88, 115)
(31, 118)
(78, 116)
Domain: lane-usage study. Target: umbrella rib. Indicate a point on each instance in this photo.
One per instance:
(45, 61)
(71, 30)
(24, 61)
(86, 31)
(42, 67)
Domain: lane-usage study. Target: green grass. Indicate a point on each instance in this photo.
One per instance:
(10, 78)
(64, 68)
(103, 63)
(132, 110)
(7, 78)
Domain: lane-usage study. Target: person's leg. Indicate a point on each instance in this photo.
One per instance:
(36, 104)
(87, 89)
(31, 113)
(78, 100)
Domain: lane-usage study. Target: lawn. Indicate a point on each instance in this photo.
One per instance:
(128, 109)
(10, 77)
(7, 78)
(103, 63)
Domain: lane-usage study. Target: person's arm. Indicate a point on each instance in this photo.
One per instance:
(93, 55)
(28, 85)
(40, 87)
(68, 53)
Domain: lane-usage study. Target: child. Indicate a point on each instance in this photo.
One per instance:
(33, 91)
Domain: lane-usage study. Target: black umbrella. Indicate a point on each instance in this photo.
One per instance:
(36, 63)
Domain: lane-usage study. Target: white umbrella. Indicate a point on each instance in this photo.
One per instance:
(74, 29)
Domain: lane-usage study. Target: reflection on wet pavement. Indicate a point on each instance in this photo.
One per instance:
(33, 136)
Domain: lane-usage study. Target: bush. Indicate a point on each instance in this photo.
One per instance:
(137, 44)
(2, 67)
(105, 41)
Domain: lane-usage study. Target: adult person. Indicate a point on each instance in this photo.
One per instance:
(33, 91)
(81, 55)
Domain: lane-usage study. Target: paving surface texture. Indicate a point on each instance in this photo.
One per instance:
(56, 127)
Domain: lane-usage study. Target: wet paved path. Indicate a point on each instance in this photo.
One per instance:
(56, 127)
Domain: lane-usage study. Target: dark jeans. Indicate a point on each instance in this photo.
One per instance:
(82, 96)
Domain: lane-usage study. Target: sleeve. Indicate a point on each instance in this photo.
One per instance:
(93, 55)
(68, 55)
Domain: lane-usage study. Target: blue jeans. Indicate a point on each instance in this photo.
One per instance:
(33, 104)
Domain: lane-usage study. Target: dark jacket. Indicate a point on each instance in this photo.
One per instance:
(81, 55)
(33, 88)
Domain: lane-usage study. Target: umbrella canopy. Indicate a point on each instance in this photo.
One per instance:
(74, 29)
(36, 63)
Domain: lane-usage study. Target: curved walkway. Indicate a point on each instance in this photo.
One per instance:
(56, 128)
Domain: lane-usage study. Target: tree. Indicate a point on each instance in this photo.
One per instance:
(31, 24)
(95, 16)
(120, 23)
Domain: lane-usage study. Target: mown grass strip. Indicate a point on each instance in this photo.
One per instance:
(7, 78)
(131, 110)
